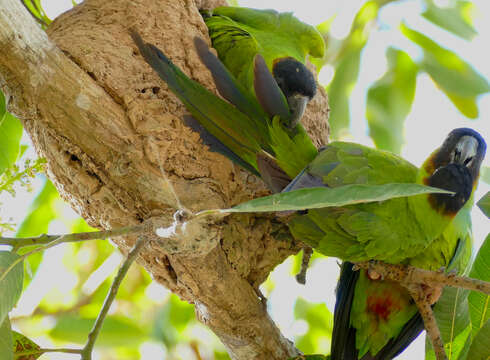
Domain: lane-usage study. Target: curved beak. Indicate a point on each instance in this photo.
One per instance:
(466, 149)
(297, 105)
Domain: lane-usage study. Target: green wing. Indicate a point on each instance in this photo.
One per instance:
(242, 129)
(364, 231)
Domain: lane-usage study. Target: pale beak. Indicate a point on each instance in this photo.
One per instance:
(466, 149)
(297, 105)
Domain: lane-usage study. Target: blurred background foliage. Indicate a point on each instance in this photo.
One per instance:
(65, 286)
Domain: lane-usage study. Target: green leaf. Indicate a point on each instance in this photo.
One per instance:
(6, 342)
(171, 321)
(320, 326)
(479, 349)
(339, 89)
(465, 104)
(22, 344)
(479, 302)
(41, 212)
(116, 331)
(453, 320)
(453, 19)
(464, 352)
(452, 313)
(390, 99)
(10, 282)
(320, 197)
(484, 204)
(454, 76)
(346, 60)
(37, 10)
(485, 174)
(457, 347)
(10, 134)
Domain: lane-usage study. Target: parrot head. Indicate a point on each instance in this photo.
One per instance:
(455, 166)
(297, 84)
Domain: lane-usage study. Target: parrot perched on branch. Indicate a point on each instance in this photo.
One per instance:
(238, 34)
(374, 319)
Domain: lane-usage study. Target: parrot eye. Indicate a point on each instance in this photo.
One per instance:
(468, 161)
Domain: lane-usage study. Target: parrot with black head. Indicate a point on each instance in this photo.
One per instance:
(374, 319)
(238, 34)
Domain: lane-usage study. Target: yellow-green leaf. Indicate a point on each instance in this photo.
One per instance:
(479, 302)
(452, 18)
(6, 342)
(484, 204)
(390, 99)
(11, 279)
(23, 346)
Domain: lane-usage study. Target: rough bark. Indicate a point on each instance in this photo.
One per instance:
(108, 126)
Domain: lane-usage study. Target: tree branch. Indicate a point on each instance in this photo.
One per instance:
(407, 274)
(414, 279)
(430, 324)
(104, 120)
(74, 237)
(94, 333)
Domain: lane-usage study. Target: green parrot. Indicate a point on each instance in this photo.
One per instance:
(251, 130)
(238, 34)
(374, 319)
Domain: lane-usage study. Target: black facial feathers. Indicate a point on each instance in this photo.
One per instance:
(452, 177)
(294, 78)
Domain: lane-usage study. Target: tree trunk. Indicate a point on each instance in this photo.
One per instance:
(111, 132)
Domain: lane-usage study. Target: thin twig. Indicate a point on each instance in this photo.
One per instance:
(305, 262)
(407, 274)
(73, 238)
(94, 333)
(91, 235)
(430, 324)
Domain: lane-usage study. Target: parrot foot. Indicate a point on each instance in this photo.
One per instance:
(374, 275)
(432, 293)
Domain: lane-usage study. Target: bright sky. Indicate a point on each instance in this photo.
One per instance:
(432, 117)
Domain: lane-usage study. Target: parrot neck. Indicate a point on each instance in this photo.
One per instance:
(431, 221)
